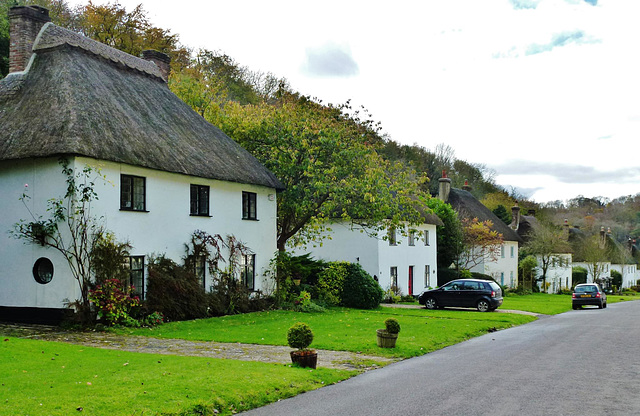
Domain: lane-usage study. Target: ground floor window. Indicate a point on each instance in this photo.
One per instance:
(248, 270)
(43, 270)
(136, 275)
(200, 269)
(427, 274)
(393, 274)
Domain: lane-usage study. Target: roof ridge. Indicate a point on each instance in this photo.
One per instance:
(52, 36)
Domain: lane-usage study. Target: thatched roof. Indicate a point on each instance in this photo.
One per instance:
(80, 97)
(467, 206)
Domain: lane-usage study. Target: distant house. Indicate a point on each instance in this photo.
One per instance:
(559, 272)
(406, 262)
(505, 269)
(168, 171)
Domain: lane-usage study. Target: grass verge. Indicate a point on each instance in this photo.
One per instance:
(343, 329)
(50, 378)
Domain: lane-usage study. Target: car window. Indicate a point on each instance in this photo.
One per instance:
(472, 286)
(455, 285)
(495, 286)
(590, 288)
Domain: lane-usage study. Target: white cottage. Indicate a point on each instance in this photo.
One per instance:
(503, 267)
(408, 262)
(168, 172)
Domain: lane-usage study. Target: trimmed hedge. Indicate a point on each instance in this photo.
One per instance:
(359, 290)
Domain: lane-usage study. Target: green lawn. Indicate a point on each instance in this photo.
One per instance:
(548, 304)
(344, 329)
(50, 378)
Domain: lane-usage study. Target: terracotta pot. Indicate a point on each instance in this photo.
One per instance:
(307, 359)
(385, 339)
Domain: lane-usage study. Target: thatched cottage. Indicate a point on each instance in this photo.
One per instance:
(505, 269)
(168, 171)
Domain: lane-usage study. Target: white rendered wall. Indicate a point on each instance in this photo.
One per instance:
(559, 275)
(603, 267)
(164, 229)
(376, 256)
(505, 268)
(629, 273)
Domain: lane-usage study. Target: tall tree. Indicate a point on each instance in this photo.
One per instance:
(323, 156)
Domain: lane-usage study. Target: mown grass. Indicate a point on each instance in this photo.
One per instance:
(548, 304)
(344, 329)
(51, 378)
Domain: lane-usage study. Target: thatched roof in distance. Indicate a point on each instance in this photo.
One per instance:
(467, 206)
(80, 97)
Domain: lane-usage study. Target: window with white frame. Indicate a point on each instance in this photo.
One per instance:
(513, 250)
(426, 238)
(391, 234)
(136, 275)
(502, 251)
(248, 270)
(393, 274)
(412, 238)
(427, 275)
(200, 269)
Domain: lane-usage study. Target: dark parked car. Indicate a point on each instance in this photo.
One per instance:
(467, 293)
(588, 294)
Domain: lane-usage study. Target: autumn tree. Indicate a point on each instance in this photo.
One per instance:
(548, 244)
(323, 156)
(480, 242)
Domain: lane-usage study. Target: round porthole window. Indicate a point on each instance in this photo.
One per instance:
(43, 270)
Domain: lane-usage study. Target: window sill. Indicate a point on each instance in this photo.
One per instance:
(133, 210)
(201, 215)
(250, 219)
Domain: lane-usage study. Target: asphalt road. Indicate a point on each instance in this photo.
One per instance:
(584, 362)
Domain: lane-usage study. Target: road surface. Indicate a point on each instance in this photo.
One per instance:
(584, 362)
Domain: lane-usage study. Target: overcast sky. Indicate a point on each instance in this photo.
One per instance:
(545, 92)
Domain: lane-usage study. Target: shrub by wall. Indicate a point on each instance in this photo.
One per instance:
(331, 282)
(174, 291)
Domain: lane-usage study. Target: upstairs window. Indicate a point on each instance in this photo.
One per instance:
(199, 200)
(248, 270)
(412, 238)
(512, 251)
(426, 237)
(249, 209)
(132, 193)
(392, 237)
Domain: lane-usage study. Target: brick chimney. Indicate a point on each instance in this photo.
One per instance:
(515, 216)
(445, 187)
(25, 23)
(162, 60)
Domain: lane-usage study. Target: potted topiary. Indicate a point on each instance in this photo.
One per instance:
(387, 337)
(300, 336)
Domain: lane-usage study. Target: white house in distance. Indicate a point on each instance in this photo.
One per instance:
(504, 269)
(559, 273)
(406, 262)
(169, 172)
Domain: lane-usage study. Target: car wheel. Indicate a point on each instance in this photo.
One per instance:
(605, 305)
(431, 303)
(483, 305)
(600, 306)
(574, 307)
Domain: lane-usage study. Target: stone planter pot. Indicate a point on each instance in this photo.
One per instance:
(385, 339)
(307, 359)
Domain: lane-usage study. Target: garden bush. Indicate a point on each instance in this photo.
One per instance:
(174, 291)
(359, 289)
(392, 325)
(331, 282)
(299, 336)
